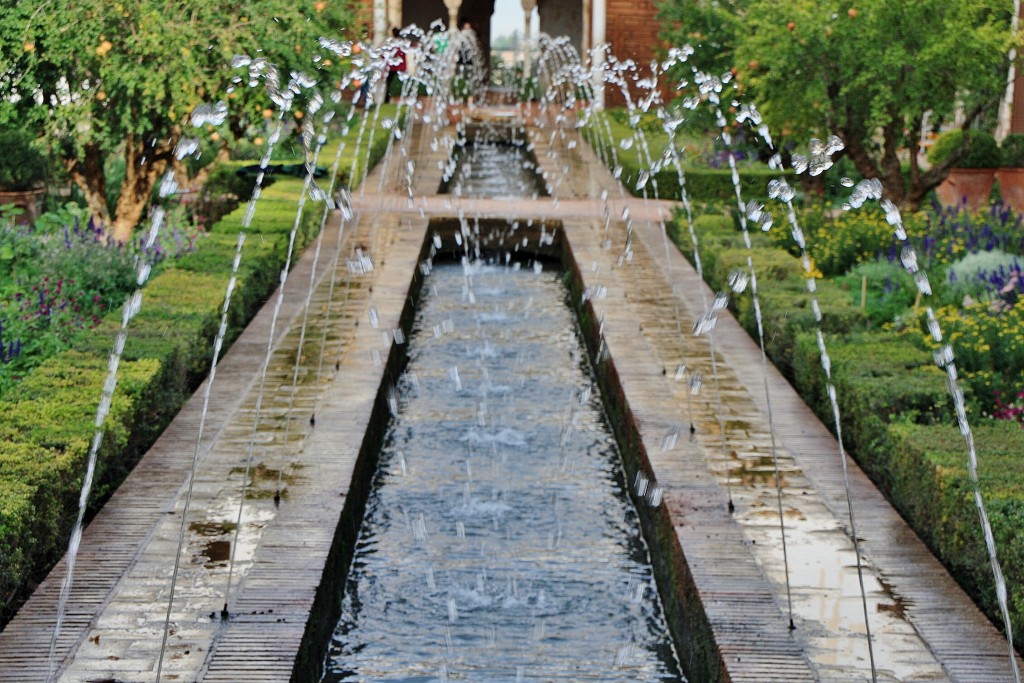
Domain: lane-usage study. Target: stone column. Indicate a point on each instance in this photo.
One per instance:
(395, 13)
(585, 42)
(597, 50)
(453, 13)
(380, 21)
(528, 6)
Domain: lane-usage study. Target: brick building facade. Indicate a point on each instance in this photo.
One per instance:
(632, 32)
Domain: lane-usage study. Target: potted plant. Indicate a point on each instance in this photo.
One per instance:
(1011, 174)
(23, 173)
(970, 181)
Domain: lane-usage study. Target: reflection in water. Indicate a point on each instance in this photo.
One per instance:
(499, 544)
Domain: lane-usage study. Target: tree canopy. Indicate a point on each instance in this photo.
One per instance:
(95, 78)
(713, 27)
(865, 70)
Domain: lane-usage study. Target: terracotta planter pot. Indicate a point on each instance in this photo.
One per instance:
(1011, 186)
(29, 200)
(973, 185)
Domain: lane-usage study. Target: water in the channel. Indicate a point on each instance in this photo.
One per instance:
(499, 543)
(501, 170)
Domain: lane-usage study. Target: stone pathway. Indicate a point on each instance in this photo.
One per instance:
(646, 297)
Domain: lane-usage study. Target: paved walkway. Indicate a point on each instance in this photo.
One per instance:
(647, 297)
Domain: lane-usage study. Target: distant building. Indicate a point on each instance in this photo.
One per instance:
(629, 26)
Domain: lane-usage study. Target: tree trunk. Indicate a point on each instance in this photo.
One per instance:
(813, 185)
(223, 155)
(915, 194)
(87, 173)
(893, 186)
(142, 169)
(181, 176)
(859, 154)
(193, 185)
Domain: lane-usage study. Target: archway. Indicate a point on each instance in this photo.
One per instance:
(570, 19)
(424, 12)
(629, 26)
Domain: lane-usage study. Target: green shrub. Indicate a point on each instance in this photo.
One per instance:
(786, 313)
(782, 288)
(931, 488)
(879, 379)
(702, 184)
(715, 233)
(22, 166)
(969, 277)
(226, 179)
(944, 146)
(18, 512)
(988, 343)
(836, 245)
(1013, 150)
(44, 442)
(709, 223)
(890, 289)
(608, 131)
(893, 400)
(982, 150)
(980, 261)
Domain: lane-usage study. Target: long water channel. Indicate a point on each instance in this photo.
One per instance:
(499, 542)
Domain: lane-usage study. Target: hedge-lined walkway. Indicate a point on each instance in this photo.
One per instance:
(123, 571)
(925, 627)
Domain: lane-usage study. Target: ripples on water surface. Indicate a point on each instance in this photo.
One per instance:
(498, 543)
(498, 170)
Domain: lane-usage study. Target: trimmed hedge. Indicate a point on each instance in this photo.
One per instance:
(896, 412)
(44, 442)
(879, 379)
(782, 287)
(702, 184)
(47, 423)
(931, 489)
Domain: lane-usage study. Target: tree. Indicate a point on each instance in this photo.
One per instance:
(508, 41)
(869, 72)
(712, 27)
(865, 70)
(95, 78)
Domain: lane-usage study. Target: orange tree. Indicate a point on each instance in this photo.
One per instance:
(866, 70)
(97, 78)
(869, 71)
